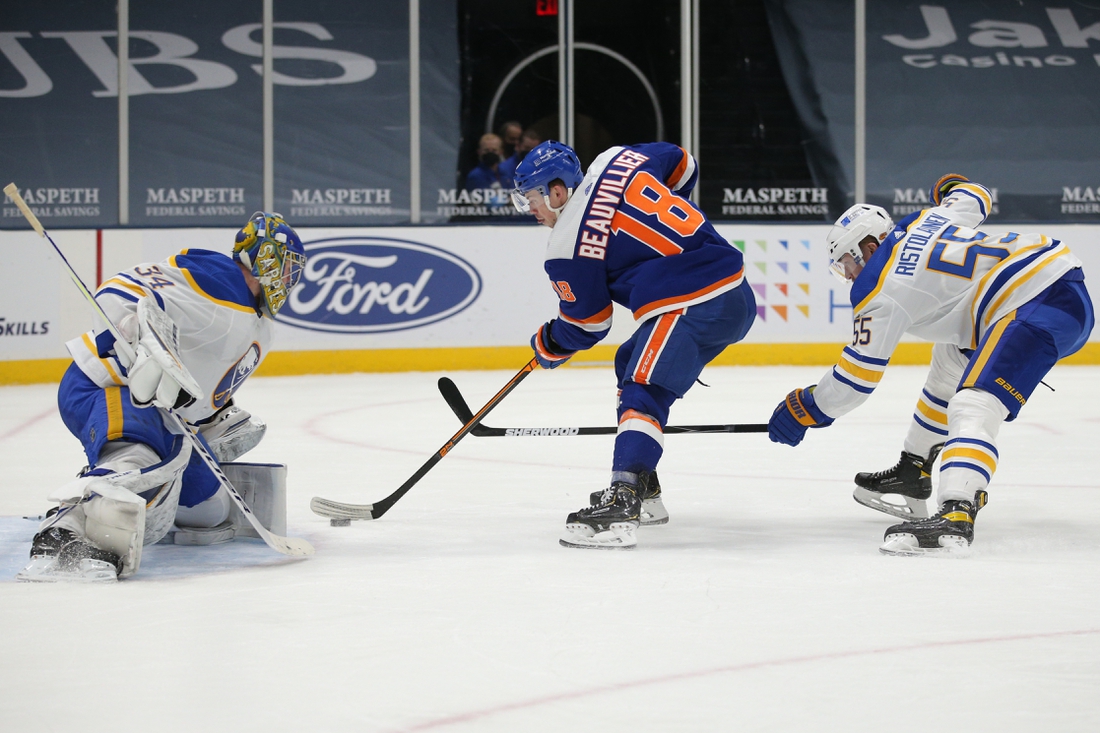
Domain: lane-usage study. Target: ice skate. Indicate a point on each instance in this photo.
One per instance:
(609, 524)
(653, 509)
(910, 479)
(949, 532)
(60, 556)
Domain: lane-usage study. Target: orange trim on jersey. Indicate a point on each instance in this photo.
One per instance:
(651, 238)
(114, 412)
(678, 173)
(195, 286)
(648, 308)
(653, 346)
(600, 317)
(635, 415)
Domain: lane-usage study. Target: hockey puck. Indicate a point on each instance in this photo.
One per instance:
(339, 522)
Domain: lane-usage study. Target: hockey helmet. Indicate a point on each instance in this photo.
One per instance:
(272, 251)
(854, 226)
(547, 162)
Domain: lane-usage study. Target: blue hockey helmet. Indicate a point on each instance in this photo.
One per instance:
(272, 251)
(546, 163)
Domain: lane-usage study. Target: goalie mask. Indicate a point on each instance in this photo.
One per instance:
(272, 251)
(854, 226)
(548, 162)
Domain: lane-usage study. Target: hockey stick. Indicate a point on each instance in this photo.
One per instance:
(292, 546)
(458, 405)
(341, 514)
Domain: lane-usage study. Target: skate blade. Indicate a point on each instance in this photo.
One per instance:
(41, 571)
(910, 509)
(618, 536)
(906, 545)
(653, 513)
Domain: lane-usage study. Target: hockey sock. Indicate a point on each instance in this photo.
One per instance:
(969, 456)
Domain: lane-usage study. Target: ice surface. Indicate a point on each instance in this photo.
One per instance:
(763, 605)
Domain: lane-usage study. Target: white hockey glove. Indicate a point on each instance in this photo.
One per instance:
(158, 376)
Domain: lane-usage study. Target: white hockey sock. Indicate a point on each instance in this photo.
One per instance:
(969, 456)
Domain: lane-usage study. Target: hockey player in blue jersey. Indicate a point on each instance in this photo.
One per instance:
(1000, 309)
(626, 233)
(143, 481)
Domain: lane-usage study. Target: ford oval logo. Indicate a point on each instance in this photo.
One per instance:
(371, 284)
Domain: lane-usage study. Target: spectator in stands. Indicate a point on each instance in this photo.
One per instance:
(510, 133)
(526, 144)
(489, 173)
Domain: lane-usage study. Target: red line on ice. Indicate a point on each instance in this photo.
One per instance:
(621, 686)
(20, 428)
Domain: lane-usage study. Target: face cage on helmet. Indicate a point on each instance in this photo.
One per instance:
(278, 269)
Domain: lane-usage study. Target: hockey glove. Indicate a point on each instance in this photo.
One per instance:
(158, 376)
(549, 353)
(943, 186)
(795, 415)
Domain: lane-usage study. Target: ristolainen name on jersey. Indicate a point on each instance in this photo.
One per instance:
(517, 432)
(915, 242)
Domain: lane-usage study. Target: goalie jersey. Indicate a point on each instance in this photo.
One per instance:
(223, 336)
(629, 235)
(938, 277)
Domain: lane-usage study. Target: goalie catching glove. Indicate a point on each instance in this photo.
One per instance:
(157, 375)
(549, 353)
(795, 415)
(943, 186)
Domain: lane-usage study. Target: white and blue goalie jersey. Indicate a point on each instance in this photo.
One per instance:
(223, 336)
(937, 277)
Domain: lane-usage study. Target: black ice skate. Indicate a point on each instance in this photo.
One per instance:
(649, 491)
(608, 524)
(59, 555)
(911, 479)
(950, 531)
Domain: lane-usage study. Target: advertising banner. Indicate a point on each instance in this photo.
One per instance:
(1005, 93)
(58, 121)
(341, 112)
(426, 287)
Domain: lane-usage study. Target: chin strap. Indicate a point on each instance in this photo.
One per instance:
(558, 210)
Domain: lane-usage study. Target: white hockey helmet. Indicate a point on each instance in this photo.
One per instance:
(854, 226)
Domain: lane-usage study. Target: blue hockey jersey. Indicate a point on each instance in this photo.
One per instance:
(629, 235)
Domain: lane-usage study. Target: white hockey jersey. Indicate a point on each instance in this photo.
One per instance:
(223, 337)
(939, 278)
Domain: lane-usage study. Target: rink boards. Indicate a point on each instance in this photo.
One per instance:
(426, 298)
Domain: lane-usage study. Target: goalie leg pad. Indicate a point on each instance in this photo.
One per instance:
(263, 488)
(157, 484)
(115, 522)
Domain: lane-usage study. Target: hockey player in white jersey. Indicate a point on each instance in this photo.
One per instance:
(1001, 309)
(143, 480)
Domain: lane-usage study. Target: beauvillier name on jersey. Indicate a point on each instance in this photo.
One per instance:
(629, 235)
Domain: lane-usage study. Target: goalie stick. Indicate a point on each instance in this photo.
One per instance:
(458, 405)
(340, 512)
(291, 546)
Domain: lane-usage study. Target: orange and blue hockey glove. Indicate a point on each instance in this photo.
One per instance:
(549, 353)
(943, 186)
